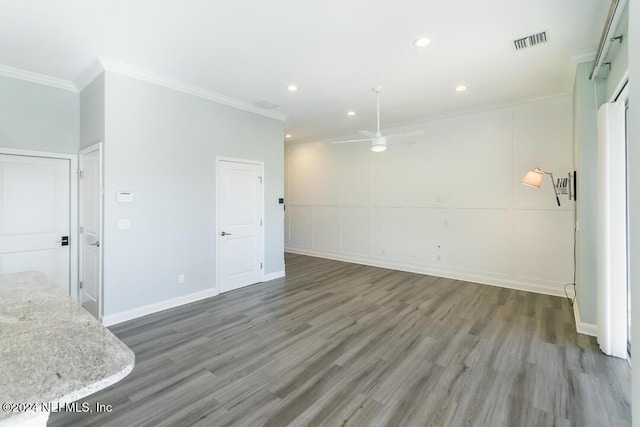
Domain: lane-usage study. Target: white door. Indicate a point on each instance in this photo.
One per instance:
(91, 229)
(34, 216)
(240, 230)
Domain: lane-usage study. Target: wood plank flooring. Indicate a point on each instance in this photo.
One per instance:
(337, 344)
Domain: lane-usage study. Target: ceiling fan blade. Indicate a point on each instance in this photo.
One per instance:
(401, 142)
(351, 140)
(403, 134)
(367, 133)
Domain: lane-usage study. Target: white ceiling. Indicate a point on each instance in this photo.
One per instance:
(334, 50)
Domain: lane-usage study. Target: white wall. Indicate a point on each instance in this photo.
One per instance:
(458, 187)
(38, 117)
(161, 145)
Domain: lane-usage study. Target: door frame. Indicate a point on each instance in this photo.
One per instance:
(94, 147)
(259, 163)
(73, 208)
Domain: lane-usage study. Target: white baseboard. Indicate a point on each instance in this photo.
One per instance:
(581, 327)
(123, 316)
(467, 277)
(273, 276)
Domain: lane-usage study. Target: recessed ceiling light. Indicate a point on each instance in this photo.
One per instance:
(291, 87)
(461, 88)
(422, 42)
(351, 113)
(288, 135)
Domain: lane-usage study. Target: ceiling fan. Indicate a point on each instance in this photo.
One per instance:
(379, 142)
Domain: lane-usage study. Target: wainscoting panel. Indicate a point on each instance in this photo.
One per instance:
(326, 229)
(355, 231)
(301, 226)
(354, 170)
(482, 239)
(428, 237)
(388, 231)
(389, 186)
(482, 165)
(428, 171)
(553, 249)
(326, 186)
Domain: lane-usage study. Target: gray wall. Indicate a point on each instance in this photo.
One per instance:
(585, 134)
(162, 145)
(38, 117)
(633, 159)
(92, 113)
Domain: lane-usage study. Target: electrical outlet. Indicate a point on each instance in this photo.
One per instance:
(438, 247)
(438, 258)
(180, 279)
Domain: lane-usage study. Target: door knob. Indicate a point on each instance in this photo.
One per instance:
(97, 244)
(224, 233)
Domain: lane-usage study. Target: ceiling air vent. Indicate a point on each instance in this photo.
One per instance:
(530, 41)
(266, 104)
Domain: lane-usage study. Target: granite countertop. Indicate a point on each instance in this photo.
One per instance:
(51, 349)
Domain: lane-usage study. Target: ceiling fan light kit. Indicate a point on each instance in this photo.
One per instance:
(378, 144)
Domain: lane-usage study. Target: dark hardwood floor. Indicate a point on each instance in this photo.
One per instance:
(338, 344)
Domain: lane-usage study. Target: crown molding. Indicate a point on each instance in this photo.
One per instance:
(89, 74)
(42, 79)
(160, 80)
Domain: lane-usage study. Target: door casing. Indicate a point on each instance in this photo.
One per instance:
(100, 293)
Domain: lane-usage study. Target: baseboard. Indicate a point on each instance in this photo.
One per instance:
(581, 327)
(273, 276)
(491, 281)
(123, 316)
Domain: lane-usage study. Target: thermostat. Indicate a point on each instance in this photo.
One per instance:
(124, 196)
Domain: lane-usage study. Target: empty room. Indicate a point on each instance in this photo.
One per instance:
(294, 213)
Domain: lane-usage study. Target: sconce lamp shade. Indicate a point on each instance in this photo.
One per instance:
(533, 178)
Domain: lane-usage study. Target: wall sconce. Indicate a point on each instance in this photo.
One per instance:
(567, 185)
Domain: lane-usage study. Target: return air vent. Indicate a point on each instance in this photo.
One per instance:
(266, 104)
(530, 41)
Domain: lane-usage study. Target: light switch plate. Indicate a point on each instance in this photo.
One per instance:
(124, 224)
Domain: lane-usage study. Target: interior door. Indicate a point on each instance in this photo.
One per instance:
(91, 230)
(34, 216)
(240, 229)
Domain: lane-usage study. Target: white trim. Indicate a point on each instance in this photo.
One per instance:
(73, 208)
(99, 146)
(170, 83)
(505, 107)
(123, 316)
(273, 276)
(89, 74)
(581, 327)
(42, 79)
(95, 68)
(472, 278)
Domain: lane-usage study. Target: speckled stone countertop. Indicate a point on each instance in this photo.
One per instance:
(51, 349)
